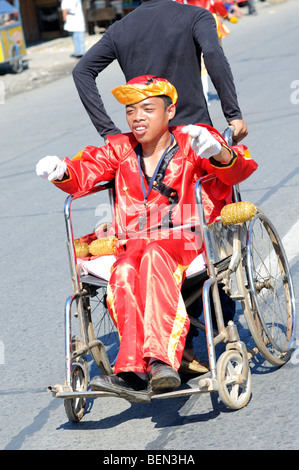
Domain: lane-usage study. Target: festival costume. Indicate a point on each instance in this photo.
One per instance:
(144, 296)
(217, 8)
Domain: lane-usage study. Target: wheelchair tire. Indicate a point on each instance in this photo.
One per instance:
(99, 326)
(234, 390)
(269, 306)
(75, 407)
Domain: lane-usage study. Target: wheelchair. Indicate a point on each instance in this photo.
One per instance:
(246, 259)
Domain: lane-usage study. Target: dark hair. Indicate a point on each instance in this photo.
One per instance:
(167, 100)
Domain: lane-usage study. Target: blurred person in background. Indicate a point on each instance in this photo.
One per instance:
(251, 7)
(74, 23)
(218, 10)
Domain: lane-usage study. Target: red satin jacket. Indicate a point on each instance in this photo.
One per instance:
(172, 198)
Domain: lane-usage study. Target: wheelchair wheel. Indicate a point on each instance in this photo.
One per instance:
(234, 389)
(270, 310)
(75, 407)
(99, 326)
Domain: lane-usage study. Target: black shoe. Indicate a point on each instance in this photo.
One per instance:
(164, 377)
(126, 384)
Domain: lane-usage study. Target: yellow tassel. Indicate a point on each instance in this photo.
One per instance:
(233, 19)
(103, 246)
(238, 212)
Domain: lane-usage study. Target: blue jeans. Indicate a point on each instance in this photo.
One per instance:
(78, 38)
(251, 7)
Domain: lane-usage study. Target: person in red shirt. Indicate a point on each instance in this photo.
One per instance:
(154, 169)
(218, 9)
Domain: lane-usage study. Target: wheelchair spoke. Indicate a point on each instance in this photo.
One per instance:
(271, 291)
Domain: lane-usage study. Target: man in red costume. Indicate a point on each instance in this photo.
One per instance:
(217, 8)
(154, 168)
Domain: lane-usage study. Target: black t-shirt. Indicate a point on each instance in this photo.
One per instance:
(163, 38)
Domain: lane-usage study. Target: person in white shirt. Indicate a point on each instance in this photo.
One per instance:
(74, 23)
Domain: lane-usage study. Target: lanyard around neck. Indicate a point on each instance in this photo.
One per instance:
(152, 180)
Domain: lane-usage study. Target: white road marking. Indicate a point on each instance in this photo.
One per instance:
(291, 242)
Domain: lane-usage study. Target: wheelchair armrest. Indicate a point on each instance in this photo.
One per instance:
(79, 194)
(95, 189)
(69, 226)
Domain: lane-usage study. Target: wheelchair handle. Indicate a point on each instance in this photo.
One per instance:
(228, 134)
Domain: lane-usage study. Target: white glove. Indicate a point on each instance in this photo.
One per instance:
(203, 143)
(51, 168)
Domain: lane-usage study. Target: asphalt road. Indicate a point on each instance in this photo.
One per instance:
(263, 52)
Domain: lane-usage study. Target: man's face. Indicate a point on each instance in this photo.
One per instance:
(148, 119)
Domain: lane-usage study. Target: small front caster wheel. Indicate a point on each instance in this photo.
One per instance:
(234, 387)
(75, 407)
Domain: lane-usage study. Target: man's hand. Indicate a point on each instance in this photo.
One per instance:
(51, 168)
(203, 143)
(240, 131)
(64, 15)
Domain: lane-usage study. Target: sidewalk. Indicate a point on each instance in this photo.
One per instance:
(43, 63)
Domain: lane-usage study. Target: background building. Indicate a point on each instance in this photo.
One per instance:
(42, 19)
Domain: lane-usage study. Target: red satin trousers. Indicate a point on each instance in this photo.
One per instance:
(145, 302)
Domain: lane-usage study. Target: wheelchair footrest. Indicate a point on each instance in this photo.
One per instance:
(87, 394)
(205, 385)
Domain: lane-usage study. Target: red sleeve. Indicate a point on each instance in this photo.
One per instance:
(238, 169)
(88, 168)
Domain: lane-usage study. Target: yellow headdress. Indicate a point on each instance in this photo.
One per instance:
(143, 87)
